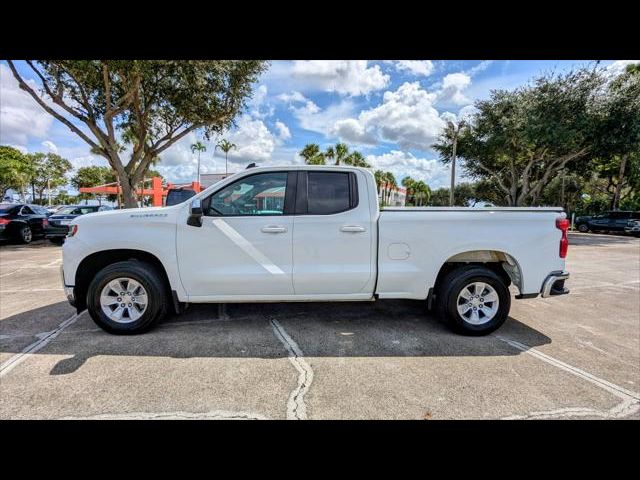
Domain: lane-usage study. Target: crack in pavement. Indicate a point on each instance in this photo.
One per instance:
(629, 405)
(296, 408)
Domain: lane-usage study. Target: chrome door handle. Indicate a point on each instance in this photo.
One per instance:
(274, 229)
(352, 228)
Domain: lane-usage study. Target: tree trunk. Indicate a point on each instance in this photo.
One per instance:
(453, 169)
(128, 194)
(616, 195)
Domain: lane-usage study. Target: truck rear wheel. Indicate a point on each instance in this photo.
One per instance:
(473, 300)
(127, 297)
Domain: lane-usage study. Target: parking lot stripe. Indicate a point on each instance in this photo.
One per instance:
(29, 350)
(630, 400)
(296, 408)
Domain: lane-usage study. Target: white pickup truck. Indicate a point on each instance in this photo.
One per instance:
(305, 233)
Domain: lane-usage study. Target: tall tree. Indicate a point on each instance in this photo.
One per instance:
(226, 146)
(50, 172)
(312, 155)
(522, 139)
(453, 132)
(156, 102)
(198, 147)
(12, 162)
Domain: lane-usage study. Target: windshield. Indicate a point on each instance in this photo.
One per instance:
(76, 210)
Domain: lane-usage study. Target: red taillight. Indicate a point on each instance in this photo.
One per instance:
(4, 221)
(73, 229)
(45, 222)
(563, 225)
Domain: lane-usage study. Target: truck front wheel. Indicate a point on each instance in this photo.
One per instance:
(473, 300)
(127, 297)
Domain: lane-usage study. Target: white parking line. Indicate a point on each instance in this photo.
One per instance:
(33, 290)
(44, 339)
(212, 415)
(630, 400)
(296, 408)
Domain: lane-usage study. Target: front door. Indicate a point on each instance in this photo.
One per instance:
(244, 244)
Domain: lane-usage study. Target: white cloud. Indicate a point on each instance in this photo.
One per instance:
(50, 146)
(403, 164)
(481, 67)
(453, 87)
(618, 67)
(415, 67)
(406, 117)
(20, 116)
(259, 107)
(283, 131)
(346, 77)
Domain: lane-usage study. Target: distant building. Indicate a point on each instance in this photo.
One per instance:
(396, 198)
(208, 179)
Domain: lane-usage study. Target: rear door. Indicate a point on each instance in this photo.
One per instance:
(332, 234)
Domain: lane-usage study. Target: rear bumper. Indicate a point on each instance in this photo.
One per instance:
(52, 232)
(554, 284)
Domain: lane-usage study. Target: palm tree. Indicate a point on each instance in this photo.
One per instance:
(198, 147)
(422, 193)
(452, 131)
(226, 146)
(312, 155)
(378, 175)
(409, 184)
(390, 183)
(356, 159)
(330, 153)
(341, 152)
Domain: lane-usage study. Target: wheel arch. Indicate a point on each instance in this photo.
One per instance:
(93, 263)
(500, 262)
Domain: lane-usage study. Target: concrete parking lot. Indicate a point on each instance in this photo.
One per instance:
(576, 356)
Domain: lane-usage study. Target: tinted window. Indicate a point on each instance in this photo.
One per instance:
(260, 194)
(175, 197)
(26, 210)
(327, 192)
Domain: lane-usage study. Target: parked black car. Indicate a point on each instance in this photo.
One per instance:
(59, 221)
(614, 221)
(22, 222)
(178, 195)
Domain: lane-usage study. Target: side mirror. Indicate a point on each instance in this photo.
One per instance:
(195, 213)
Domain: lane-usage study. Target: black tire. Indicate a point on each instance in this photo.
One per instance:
(145, 274)
(450, 288)
(24, 234)
(583, 228)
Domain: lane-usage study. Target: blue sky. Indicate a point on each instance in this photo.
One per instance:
(391, 111)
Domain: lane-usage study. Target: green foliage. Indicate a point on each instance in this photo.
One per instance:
(49, 172)
(418, 192)
(12, 166)
(464, 195)
(151, 103)
(313, 156)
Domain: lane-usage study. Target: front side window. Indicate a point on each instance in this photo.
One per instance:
(328, 192)
(260, 194)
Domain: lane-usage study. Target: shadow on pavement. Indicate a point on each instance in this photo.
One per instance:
(391, 328)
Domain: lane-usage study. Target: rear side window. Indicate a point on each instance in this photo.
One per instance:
(328, 192)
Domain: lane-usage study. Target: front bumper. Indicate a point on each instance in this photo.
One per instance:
(554, 284)
(68, 290)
